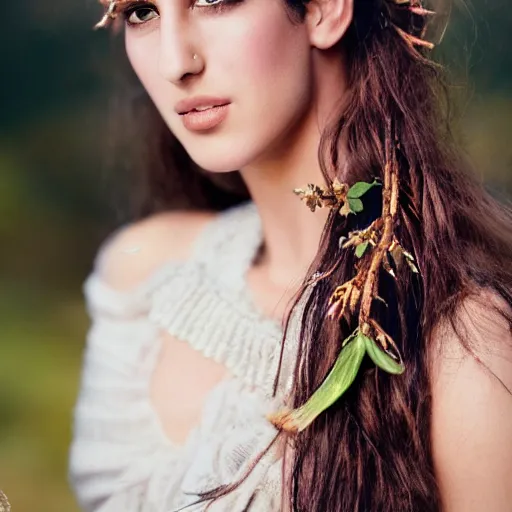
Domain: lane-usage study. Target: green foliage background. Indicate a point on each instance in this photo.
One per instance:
(56, 85)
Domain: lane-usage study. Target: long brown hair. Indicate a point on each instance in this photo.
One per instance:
(371, 451)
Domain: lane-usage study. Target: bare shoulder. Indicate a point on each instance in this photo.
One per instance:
(482, 320)
(134, 252)
(472, 408)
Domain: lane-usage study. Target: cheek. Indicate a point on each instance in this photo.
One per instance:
(142, 53)
(267, 61)
(269, 48)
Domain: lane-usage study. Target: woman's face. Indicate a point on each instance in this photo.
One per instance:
(249, 52)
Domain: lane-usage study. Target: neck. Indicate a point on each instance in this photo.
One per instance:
(291, 231)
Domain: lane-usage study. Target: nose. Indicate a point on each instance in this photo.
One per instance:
(176, 58)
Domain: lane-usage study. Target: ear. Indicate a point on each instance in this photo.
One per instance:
(327, 21)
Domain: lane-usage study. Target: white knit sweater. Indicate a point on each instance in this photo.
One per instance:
(121, 459)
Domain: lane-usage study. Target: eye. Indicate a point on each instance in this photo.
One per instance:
(140, 15)
(208, 3)
(217, 6)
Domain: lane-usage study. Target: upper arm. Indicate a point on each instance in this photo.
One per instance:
(137, 250)
(472, 413)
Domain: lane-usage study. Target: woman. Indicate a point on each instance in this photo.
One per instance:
(392, 292)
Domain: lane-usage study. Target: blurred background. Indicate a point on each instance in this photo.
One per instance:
(58, 84)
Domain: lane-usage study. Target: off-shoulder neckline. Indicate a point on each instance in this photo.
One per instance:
(140, 291)
(160, 274)
(137, 298)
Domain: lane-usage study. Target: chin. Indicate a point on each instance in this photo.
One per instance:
(220, 159)
(212, 163)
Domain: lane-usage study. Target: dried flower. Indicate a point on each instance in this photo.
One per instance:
(339, 197)
(312, 195)
(345, 295)
(5, 506)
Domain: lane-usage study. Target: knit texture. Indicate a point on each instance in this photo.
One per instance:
(121, 460)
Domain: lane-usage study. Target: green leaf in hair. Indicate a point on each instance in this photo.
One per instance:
(381, 359)
(361, 248)
(360, 188)
(356, 205)
(339, 379)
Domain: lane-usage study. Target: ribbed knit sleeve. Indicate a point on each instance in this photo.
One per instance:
(120, 455)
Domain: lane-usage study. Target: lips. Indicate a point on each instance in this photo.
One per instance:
(200, 121)
(199, 103)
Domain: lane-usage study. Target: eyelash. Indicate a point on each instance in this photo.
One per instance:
(128, 9)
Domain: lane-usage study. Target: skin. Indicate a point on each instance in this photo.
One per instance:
(283, 80)
(253, 54)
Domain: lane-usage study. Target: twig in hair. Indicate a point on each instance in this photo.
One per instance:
(420, 11)
(411, 40)
(359, 292)
(109, 15)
